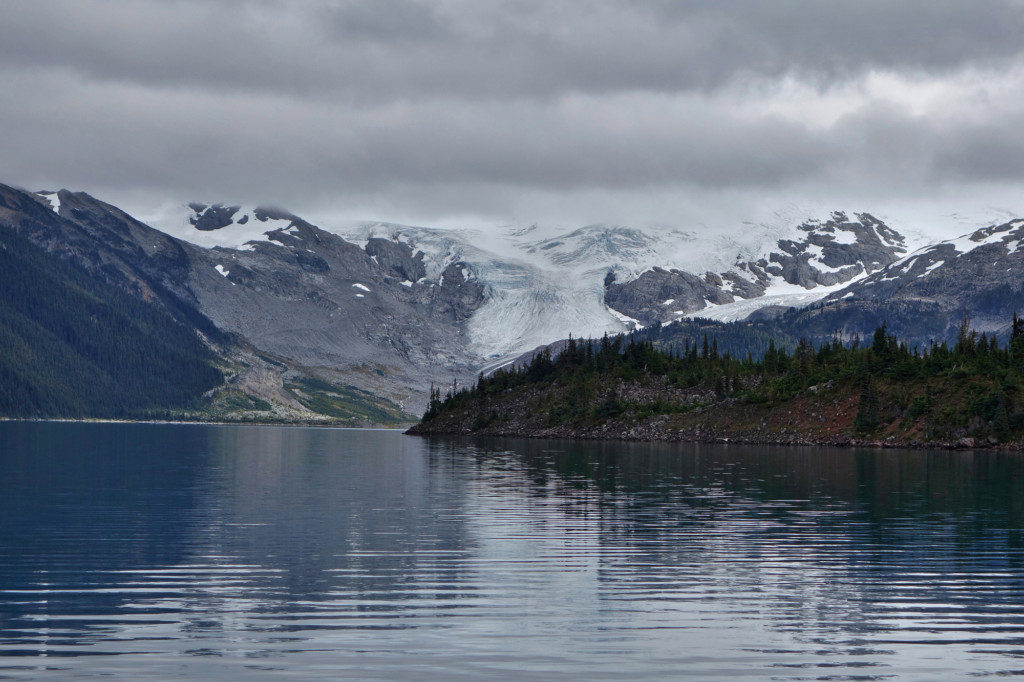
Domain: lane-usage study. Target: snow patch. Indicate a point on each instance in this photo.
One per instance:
(988, 235)
(53, 199)
(243, 233)
(844, 237)
(625, 319)
(741, 309)
(357, 285)
(220, 268)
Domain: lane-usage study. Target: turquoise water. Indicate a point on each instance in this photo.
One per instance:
(220, 552)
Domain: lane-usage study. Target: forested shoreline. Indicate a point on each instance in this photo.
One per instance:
(967, 393)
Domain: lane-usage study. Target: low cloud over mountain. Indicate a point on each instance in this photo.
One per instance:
(689, 113)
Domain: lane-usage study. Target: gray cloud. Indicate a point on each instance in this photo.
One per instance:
(368, 50)
(432, 109)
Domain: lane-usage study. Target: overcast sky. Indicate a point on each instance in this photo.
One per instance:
(574, 111)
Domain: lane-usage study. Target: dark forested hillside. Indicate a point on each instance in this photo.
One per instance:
(737, 339)
(73, 346)
(969, 393)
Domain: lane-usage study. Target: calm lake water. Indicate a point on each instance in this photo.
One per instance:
(173, 551)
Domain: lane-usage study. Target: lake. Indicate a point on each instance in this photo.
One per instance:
(231, 552)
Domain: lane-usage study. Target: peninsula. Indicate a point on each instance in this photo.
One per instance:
(967, 394)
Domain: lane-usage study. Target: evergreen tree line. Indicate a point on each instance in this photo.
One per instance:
(739, 339)
(72, 346)
(990, 372)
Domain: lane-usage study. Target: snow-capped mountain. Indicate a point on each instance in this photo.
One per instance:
(820, 256)
(387, 309)
(922, 297)
(230, 227)
(979, 274)
(391, 307)
(930, 263)
(540, 284)
(528, 302)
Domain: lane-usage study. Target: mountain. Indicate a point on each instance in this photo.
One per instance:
(367, 314)
(191, 286)
(74, 346)
(355, 321)
(797, 271)
(927, 294)
(526, 301)
(543, 284)
(498, 294)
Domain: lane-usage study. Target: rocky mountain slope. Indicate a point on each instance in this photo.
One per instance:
(289, 335)
(368, 315)
(927, 294)
(827, 253)
(379, 311)
(74, 346)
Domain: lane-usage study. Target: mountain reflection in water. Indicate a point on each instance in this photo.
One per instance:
(217, 551)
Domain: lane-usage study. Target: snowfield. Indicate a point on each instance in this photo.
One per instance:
(243, 233)
(53, 199)
(545, 283)
(742, 308)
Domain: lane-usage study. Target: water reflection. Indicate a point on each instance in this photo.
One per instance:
(857, 552)
(72, 528)
(173, 551)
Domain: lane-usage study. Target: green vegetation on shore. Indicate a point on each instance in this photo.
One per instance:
(970, 391)
(347, 404)
(75, 347)
(72, 346)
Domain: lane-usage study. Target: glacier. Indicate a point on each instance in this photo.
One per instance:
(543, 283)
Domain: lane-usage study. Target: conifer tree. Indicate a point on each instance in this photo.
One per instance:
(867, 418)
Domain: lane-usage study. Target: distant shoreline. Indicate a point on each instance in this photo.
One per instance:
(635, 434)
(186, 422)
(642, 434)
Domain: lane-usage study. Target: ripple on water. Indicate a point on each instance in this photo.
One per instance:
(219, 552)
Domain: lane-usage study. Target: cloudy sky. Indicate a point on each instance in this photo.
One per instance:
(575, 111)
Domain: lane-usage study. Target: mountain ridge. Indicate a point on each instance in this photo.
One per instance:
(388, 309)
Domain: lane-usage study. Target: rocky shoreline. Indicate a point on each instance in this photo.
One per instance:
(648, 432)
(818, 417)
(338, 424)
